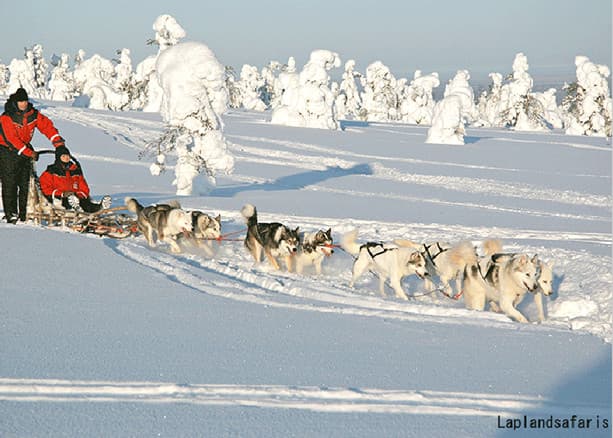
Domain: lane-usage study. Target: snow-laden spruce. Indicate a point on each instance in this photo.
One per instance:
(21, 75)
(379, 98)
(148, 95)
(249, 85)
(349, 102)
(588, 102)
(61, 82)
(193, 98)
(416, 100)
(94, 81)
(309, 102)
(453, 112)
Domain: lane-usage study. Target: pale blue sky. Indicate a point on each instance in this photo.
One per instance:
(443, 36)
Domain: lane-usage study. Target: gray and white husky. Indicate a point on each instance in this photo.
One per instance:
(388, 260)
(205, 229)
(161, 221)
(445, 261)
(313, 249)
(274, 239)
(502, 280)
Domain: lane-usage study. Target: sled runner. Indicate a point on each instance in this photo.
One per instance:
(112, 222)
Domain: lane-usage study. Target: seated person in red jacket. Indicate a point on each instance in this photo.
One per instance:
(63, 184)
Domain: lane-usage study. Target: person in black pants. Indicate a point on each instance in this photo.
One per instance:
(17, 124)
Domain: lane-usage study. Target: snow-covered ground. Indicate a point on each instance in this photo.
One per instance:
(106, 337)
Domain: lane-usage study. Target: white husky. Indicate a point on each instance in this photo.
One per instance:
(389, 261)
(445, 261)
(502, 280)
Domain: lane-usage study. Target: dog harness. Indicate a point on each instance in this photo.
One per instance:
(432, 257)
(371, 245)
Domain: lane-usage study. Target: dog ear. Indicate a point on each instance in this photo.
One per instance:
(522, 260)
(414, 256)
(218, 218)
(329, 232)
(296, 230)
(535, 259)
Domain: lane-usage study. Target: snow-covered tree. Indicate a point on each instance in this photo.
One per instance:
(311, 103)
(123, 81)
(379, 98)
(4, 78)
(250, 85)
(416, 100)
(551, 112)
(447, 122)
(235, 99)
(61, 83)
(587, 102)
(167, 33)
(518, 108)
(194, 97)
(270, 92)
(489, 103)
(21, 74)
(288, 84)
(79, 57)
(460, 87)
(40, 68)
(94, 79)
(349, 88)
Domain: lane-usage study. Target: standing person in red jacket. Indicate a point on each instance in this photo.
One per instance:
(63, 183)
(17, 125)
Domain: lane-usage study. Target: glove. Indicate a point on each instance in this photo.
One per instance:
(73, 201)
(35, 155)
(67, 194)
(59, 141)
(106, 202)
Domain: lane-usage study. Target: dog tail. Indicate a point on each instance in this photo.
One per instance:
(133, 205)
(250, 214)
(349, 244)
(463, 254)
(492, 246)
(408, 244)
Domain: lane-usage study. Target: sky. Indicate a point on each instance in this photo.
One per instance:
(443, 36)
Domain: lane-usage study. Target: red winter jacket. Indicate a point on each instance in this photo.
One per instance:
(17, 128)
(58, 179)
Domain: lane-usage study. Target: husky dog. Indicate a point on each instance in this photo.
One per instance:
(161, 221)
(504, 282)
(544, 274)
(444, 260)
(275, 239)
(389, 261)
(315, 246)
(205, 229)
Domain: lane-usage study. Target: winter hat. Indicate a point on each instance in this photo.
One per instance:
(61, 150)
(20, 95)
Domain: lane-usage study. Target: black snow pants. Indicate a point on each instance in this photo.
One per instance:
(15, 172)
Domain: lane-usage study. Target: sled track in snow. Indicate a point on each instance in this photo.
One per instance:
(309, 398)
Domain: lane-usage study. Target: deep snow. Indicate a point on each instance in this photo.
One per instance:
(103, 337)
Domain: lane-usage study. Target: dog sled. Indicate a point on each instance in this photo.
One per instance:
(114, 222)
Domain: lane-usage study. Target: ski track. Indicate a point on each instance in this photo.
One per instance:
(310, 398)
(126, 131)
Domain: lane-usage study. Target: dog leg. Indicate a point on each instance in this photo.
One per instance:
(174, 246)
(395, 283)
(359, 267)
(318, 266)
(272, 260)
(288, 263)
(299, 266)
(507, 307)
(538, 300)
